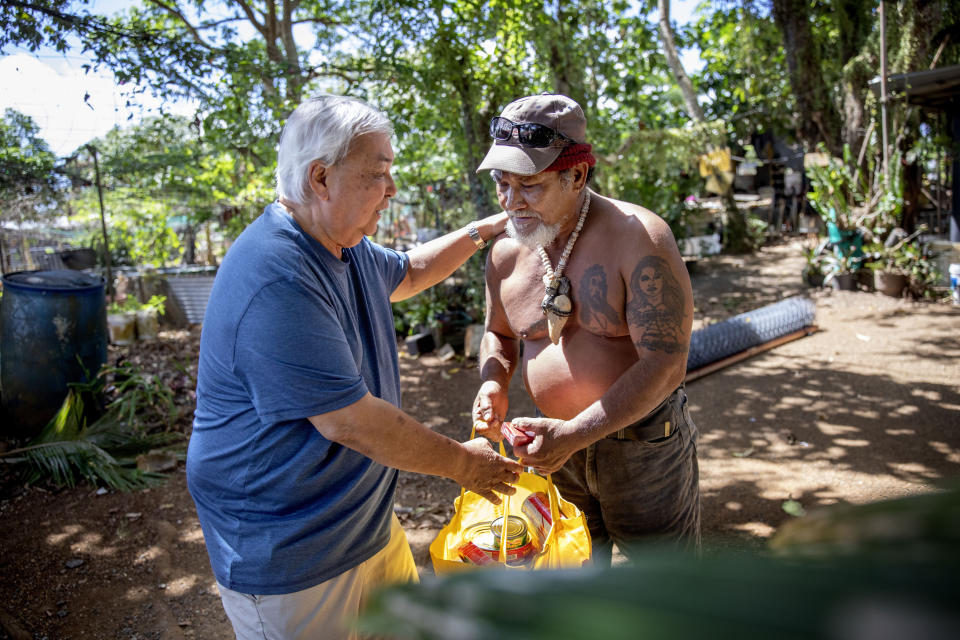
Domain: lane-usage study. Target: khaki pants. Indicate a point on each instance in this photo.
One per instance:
(326, 610)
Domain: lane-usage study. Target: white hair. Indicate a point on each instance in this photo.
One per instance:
(322, 128)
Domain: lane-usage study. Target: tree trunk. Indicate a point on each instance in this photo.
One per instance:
(190, 245)
(567, 75)
(734, 221)
(468, 118)
(676, 67)
(818, 120)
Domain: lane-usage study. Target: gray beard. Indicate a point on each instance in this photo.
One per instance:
(544, 235)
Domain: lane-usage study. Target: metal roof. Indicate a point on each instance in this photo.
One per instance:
(935, 89)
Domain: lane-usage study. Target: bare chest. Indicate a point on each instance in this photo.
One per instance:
(596, 289)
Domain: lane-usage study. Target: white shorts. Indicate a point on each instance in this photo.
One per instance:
(326, 610)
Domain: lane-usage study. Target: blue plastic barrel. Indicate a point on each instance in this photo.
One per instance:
(53, 330)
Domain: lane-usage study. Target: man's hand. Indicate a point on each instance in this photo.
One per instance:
(553, 443)
(487, 471)
(489, 410)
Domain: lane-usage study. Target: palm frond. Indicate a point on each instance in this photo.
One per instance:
(65, 463)
(67, 450)
(113, 433)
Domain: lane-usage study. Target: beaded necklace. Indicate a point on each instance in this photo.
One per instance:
(556, 304)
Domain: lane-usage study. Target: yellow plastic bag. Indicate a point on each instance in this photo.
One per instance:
(566, 544)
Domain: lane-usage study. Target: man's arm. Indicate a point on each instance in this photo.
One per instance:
(432, 262)
(384, 433)
(497, 360)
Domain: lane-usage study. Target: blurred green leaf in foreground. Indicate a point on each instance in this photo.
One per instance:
(887, 570)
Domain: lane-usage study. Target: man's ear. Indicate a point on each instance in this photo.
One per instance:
(318, 173)
(580, 173)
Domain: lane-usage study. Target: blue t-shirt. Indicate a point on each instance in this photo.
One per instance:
(291, 332)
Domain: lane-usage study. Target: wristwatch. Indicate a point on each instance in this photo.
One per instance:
(475, 236)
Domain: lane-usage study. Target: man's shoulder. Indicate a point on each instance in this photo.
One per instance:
(628, 221)
(628, 213)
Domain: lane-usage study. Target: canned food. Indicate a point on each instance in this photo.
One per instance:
(482, 546)
(516, 533)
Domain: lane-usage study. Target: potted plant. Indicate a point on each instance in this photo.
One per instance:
(122, 320)
(148, 317)
(813, 272)
(842, 270)
(892, 262)
(922, 272)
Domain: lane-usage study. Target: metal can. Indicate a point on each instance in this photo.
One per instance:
(516, 534)
(482, 547)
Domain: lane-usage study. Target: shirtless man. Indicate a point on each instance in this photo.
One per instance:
(604, 340)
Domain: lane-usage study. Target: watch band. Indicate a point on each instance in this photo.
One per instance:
(475, 236)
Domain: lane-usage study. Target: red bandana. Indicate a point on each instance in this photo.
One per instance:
(572, 156)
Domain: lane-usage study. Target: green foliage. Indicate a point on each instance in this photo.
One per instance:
(142, 402)
(898, 555)
(460, 300)
(40, 23)
(744, 69)
(418, 313)
(83, 443)
(909, 258)
(921, 271)
(815, 268)
(29, 188)
(843, 194)
(161, 181)
(841, 262)
(756, 232)
(130, 304)
(441, 70)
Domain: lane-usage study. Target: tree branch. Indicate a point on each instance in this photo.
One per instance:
(673, 60)
(252, 17)
(323, 21)
(175, 12)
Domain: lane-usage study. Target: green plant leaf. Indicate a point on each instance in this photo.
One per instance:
(794, 508)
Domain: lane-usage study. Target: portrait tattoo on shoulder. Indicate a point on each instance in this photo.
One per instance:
(594, 308)
(656, 308)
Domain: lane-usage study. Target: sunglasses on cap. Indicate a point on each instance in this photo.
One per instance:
(529, 134)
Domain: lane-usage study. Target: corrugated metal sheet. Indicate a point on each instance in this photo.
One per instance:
(190, 294)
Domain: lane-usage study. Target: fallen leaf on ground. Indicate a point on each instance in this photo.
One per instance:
(794, 508)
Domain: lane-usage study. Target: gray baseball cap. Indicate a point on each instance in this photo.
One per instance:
(555, 111)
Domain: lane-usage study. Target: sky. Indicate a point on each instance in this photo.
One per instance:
(50, 87)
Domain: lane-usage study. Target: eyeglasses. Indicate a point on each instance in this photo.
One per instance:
(529, 134)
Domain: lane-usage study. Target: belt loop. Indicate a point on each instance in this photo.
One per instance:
(621, 433)
(666, 428)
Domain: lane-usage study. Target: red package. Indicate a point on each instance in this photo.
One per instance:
(469, 552)
(515, 436)
(537, 509)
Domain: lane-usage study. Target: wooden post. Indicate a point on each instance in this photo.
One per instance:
(883, 96)
(103, 221)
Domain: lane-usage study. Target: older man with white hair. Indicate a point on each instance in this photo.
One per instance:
(298, 434)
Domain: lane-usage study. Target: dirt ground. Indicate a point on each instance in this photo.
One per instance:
(867, 408)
